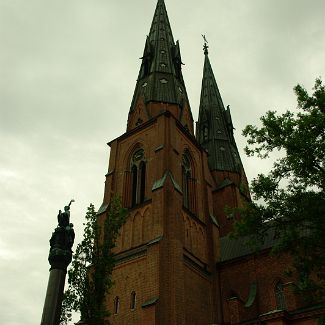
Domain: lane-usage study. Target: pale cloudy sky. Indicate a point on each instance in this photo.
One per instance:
(67, 74)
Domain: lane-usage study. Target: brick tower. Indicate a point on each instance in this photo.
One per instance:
(175, 187)
(175, 263)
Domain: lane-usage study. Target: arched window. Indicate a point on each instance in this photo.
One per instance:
(134, 172)
(133, 300)
(279, 296)
(186, 175)
(116, 305)
(188, 183)
(138, 177)
(142, 176)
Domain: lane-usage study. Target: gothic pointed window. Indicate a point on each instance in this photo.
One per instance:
(134, 173)
(116, 305)
(138, 177)
(142, 178)
(279, 296)
(188, 183)
(133, 300)
(186, 175)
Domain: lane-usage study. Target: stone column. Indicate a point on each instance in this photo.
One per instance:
(53, 299)
(60, 257)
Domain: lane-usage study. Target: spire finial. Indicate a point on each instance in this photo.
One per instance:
(205, 46)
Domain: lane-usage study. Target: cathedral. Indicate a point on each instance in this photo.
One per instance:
(175, 261)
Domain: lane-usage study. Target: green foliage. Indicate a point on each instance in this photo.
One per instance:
(293, 193)
(90, 274)
(66, 311)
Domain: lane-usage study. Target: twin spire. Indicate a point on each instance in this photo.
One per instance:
(160, 80)
(214, 129)
(160, 77)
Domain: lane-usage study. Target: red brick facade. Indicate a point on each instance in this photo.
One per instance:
(169, 256)
(171, 266)
(166, 249)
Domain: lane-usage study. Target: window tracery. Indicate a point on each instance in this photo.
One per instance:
(188, 183)
(186, 175)
(138, 177)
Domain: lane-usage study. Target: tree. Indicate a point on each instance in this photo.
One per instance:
(90, 274)
(291, 198)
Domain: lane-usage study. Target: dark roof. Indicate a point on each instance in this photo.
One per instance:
(236, 248)
(160, 77)
(226, 182)
(214, 128)
(150, 302)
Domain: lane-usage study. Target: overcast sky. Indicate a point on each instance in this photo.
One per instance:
(67, 73)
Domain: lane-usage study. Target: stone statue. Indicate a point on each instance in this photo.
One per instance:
(64, 218)
(62, 240)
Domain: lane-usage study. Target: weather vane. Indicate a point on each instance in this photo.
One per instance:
(205, 47)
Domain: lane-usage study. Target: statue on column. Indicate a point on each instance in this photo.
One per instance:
(62, 240)
(60, 257)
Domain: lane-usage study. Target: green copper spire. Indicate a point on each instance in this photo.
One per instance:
(160, 78)
(214, 130)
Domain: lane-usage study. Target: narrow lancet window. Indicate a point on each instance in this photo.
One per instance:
(138, 172)
(279, 296)
(134, 172)
(188, 184)
(116, 305)
(133, 300)
(142, 175)
(185, 180)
